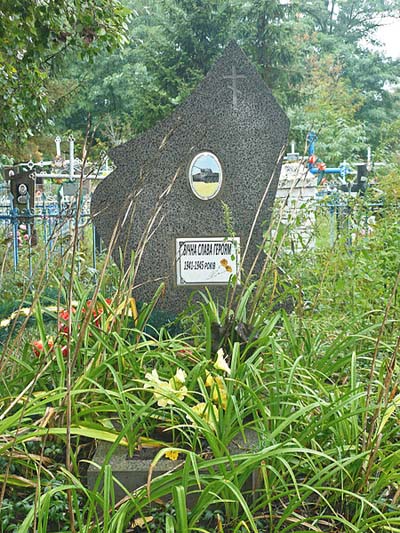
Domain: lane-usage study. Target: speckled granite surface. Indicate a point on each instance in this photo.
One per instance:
(232, 114)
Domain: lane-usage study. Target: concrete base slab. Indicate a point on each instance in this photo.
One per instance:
(133, 472)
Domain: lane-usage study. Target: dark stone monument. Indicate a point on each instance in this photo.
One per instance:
(22, 188)
(221, 146)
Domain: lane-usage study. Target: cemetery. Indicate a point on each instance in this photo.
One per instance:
(199, 283)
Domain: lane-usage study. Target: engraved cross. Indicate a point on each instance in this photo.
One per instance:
(235, 90)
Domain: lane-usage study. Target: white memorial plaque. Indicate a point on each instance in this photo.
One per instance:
(207, 261)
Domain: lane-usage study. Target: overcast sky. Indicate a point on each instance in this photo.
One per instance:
(389, 34)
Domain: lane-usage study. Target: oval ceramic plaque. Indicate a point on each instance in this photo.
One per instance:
(205, 175)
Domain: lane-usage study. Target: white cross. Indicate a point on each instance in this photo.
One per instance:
(235, 90)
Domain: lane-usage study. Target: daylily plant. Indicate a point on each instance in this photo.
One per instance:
(63, 327)
(165, 391)
(221, 364)
(208, 412)
(218, 390)
(39, 348)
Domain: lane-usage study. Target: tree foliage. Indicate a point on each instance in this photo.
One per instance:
(345, 30)
(320, 58)
(351, 20)
(34, 37)
(329, 107)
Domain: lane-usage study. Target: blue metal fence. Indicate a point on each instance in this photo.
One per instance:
(50, 225)
(51, 214)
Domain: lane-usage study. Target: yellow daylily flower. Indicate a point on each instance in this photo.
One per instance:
(152, 377)
(220, 363)
(180, 376)
(218, 390)
(165, 391)
(208, 412)
(172, 455)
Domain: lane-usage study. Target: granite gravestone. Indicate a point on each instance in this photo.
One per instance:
(220, 149)
(22, 188)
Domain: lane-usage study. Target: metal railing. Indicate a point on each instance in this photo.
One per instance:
(45, 214)
(50, 226)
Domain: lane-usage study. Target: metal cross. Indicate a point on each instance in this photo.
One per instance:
(235, 90)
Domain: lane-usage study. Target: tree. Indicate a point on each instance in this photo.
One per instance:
(173, 43)
(329, 108)
(345, 30)
(172, 46)
(191, 34)
(117, 90)
(34, 36)
(349, 20)
(272, 34)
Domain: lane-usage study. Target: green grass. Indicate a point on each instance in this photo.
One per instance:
(316, 384)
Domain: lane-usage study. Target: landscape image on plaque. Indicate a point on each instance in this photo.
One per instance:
(205, 175)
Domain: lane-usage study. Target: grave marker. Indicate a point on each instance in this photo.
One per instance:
(218, 152)
(22, 188)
